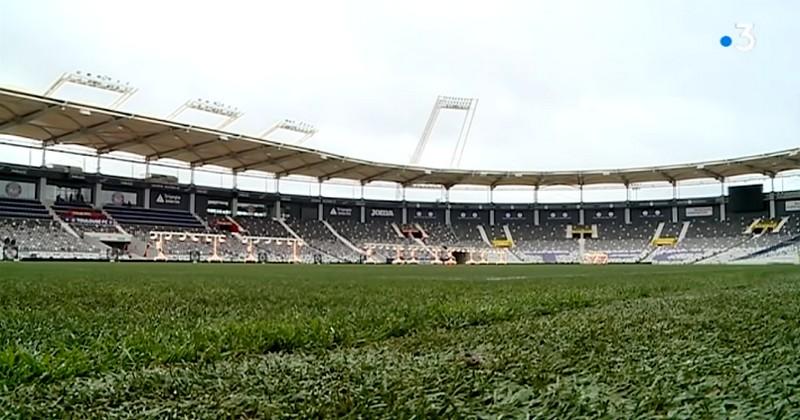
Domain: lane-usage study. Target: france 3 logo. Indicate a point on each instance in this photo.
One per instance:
(746, 39)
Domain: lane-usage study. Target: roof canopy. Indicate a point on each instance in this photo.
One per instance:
(55, 121)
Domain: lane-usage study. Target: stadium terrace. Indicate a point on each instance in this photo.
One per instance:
(63, 213)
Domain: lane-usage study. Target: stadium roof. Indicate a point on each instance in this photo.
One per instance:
(55, 121)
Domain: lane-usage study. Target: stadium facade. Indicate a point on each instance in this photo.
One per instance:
(64, 213)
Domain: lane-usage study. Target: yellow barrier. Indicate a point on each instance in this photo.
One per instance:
(582, 229)
(666, 241)
(502, 243)
(766, 224)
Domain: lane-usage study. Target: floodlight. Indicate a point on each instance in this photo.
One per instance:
(451, 102)
(230, 113)
(295, 126)
(96, 81)
(468, 105)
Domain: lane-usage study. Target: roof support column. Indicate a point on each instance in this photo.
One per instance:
(44, 154)
(234, 206)
(147, 198)
(447, 218)
(722, 215)
(320, 206)
(147, 168)
(362, 191)
(627, 203)
(491, 194)
(96, 192)
(404, 211)
(278, 185)
(674, 201)
(772, 198)
(191, 175)
(41, 188)
(97, 171)
(772, 212)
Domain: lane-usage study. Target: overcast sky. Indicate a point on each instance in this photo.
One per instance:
(562, 84)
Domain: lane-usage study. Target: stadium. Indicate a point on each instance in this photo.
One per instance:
(60, 212)
(170, 263)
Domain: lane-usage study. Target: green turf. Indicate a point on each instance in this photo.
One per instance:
(138, 340)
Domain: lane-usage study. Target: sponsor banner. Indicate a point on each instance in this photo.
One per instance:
(340, 212)
(381, 213)
(704, 211)
(85, 217)
(15, 189)
(169, 200)
(792, 205)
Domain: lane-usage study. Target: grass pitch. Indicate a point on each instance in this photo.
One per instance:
(162, 340)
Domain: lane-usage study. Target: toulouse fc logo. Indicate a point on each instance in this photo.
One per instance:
(13, 190)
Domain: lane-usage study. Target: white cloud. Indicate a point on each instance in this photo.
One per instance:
(562, 85)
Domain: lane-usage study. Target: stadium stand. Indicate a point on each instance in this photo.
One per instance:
(39, 235)
(438, 234)
(262, 226)
(21, 208)
(137, 216)
(324, 242)
(368, 232)
(468, 234)
(38, 218)
(84, 218)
